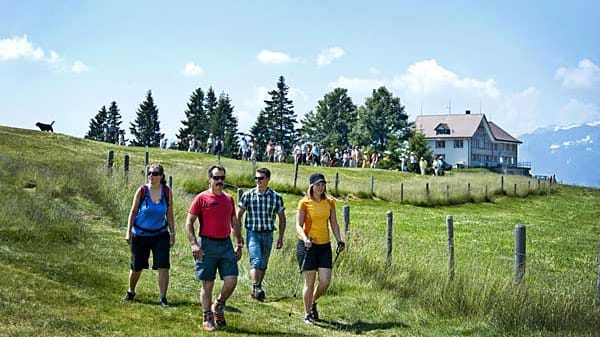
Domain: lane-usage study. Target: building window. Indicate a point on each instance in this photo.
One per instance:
(458, 144)
(442, 131)
(440, 144)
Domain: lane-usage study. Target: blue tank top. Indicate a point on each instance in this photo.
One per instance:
(151, 216)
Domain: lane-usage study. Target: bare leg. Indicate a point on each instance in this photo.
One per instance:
(206, 294)
(134, 277)
(163, 281)
(307, 292)
(229, 284)
(257, 275)
(324, 281)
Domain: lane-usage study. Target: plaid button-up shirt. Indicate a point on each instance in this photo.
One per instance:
(261, 209)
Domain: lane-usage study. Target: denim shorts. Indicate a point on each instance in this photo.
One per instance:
(141, 246)
(317, 256)
(218, 255)
(259, 248)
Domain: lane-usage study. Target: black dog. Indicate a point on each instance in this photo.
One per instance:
(45, 127)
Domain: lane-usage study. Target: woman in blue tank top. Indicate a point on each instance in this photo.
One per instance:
(151, 228)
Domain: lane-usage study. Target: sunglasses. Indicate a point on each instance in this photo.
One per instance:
(222, 178)
(259, 178)
(153, 173)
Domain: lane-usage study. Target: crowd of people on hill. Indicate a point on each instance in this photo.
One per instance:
(151, 230)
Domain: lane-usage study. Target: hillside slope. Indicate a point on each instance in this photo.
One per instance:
(64, 261)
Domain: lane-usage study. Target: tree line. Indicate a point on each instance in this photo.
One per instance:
(380, 124)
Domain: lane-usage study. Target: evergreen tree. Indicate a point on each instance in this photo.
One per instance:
(261, 133)
(280, 111)
(113, 122)
(146, 128)
(308, 125)
(210, 105)
(417, 144)
(196, 122)
(380, 119)
(97, 124)
(334, 118)
(228, 124)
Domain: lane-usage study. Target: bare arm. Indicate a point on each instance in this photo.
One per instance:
(132, 213)
(282, 225)
(300, 214)
(171, 218)
(335, 227)
(235, 227)
(191, 234)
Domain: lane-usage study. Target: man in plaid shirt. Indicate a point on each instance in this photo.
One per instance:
(261, 203)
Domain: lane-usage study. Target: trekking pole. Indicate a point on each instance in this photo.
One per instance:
(298, 283)
(338, 251)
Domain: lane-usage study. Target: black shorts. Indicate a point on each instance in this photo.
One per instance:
(141, 246)
(318, 256)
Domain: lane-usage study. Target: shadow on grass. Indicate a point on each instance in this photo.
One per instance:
(359, 326)
(261, 332)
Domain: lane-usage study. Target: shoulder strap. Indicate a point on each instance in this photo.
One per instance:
(142, 196)
(166, 192)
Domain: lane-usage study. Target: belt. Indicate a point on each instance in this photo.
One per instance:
(216, 239)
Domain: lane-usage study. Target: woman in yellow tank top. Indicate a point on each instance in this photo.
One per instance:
(315, 214)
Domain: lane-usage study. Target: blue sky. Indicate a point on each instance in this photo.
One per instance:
(525, 64)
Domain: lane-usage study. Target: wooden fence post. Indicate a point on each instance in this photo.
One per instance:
(450, 230)
(598, 284)
(390, 220)
(146, 159)
(295, 173)
(520, 252)
(528, 187)
(515, 193)
(110, 160)
(337, 180)
(372, 186)
(170, 182)
(469, 189)
(126, 164)
(427, 189)
(486, 197)
(401, 192)
(502, 184)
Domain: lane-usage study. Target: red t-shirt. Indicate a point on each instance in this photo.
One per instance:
(214, 214)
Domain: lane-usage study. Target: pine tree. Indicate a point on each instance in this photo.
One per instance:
(281, 116)
(379, 120)
(261, 132)
(196, 122)
(210, 105)
(334, 118)
(113, 122)
(146, 128)
(97, 124)
(224, 116)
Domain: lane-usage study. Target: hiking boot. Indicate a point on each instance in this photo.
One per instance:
(129, 296)
(308, 319)
(258, 294)
(208, 322)
(314, 314)
(163, 302)
(218, 309)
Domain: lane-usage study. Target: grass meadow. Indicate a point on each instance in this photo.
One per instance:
(64, 260)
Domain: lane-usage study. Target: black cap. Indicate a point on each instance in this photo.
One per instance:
(317, 178)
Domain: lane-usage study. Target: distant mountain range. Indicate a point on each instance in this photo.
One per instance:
(571, 152)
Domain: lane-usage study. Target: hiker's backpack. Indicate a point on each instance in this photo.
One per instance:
(143, 191)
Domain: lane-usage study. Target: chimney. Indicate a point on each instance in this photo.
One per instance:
(467, 112)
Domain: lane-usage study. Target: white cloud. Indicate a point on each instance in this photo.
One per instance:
(191, 69)
(554, 147)
(328, 55)
(19, 47)
(54, 58)
(79, 67)
(274, 57)
(584, 76)
(374, 71)
(586, 140)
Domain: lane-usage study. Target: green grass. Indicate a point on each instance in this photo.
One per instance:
(65, 263)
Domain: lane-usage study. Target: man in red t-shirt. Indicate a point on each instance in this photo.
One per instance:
(213, 250)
